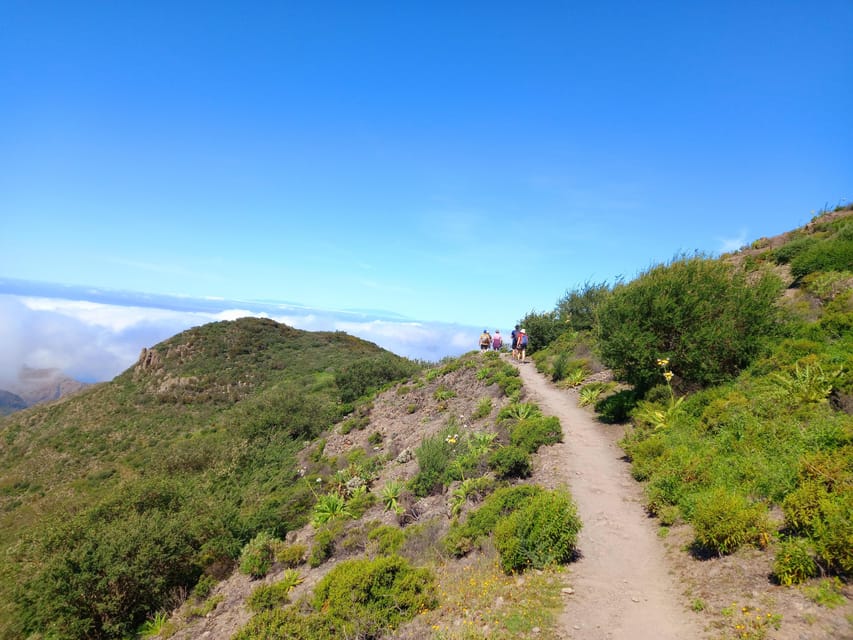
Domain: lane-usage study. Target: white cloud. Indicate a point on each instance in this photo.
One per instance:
(733, 244)
(95, 341)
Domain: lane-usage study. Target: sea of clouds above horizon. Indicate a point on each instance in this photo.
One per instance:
(93, 341)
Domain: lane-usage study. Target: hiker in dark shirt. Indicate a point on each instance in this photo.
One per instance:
(514, 335)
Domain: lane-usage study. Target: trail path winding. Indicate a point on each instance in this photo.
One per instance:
(623, 588)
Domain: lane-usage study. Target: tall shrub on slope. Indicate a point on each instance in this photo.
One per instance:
(701, 313)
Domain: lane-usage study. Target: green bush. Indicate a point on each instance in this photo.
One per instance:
(532, 433)
(829, 255)
(324, 543)
(707, 318)
(789, 251)
(833, 533)
(794, 562)
(542, 329)
(543, 532)
(258, 555)
(578, 308)
(204, 586)
(484, 408)
(269, 596)
(389, 540)
(103, 572)
(290, 623)
(510, 462)
(462, 538)
(291, 555)
(561, 367)
(616, 408)
(802, 507)
(434, 456)
(724, 521)
(367, 375)
(364, 598)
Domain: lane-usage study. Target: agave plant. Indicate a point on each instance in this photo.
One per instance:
(575, 377)
(589, 394)
(519, 411)
(290, 579)
(391, 496)
(480, 442)
(807, 384)
(329, 506)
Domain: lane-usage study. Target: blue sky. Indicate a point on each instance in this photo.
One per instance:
(449, 164)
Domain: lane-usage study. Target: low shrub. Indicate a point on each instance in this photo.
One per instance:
(288, 622)
(790, 250)
(364, 598)
(324, 543)
(291, 555)
(724, 521)
(484, 408)
(464, 537)
(833, 534)
(434, 456)
(616, 408)
(541, 533)
(271, 596)
(510, 462)
(204, 586)
(830, 255)
(532, 433)
(258, 555)
(389, 540)
(794, 562)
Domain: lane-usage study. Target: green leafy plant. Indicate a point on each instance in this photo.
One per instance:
(468, 488)
(575, 377)
(828, 592)
(807, 383)
(154, 626)
(443, 393)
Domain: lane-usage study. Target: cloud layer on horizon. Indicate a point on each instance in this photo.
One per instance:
(94, 341)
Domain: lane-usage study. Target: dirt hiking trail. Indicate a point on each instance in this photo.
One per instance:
(623, 587)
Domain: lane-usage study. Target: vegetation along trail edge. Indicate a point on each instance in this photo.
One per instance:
(623, 588)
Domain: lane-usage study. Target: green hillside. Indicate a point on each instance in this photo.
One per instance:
(251, 448)
(145, 481)
(735, 375)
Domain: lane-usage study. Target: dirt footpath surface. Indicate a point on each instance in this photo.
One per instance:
(623, 588)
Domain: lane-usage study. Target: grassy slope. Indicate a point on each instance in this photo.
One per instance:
(202, 413)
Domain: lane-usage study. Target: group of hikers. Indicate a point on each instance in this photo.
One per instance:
(495, 343)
